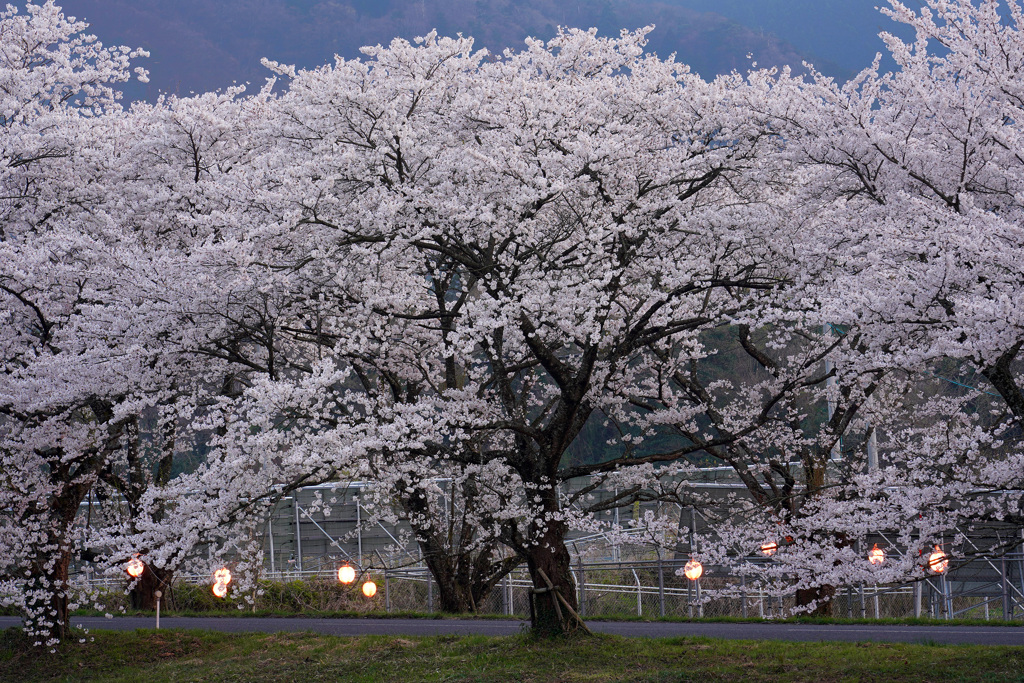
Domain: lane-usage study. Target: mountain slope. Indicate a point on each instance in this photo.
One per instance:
(843, 32)
(199, 45)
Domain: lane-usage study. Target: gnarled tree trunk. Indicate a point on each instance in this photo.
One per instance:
(143, 594)
(819, 596)
(47, 615)
(550, 572)
(554, 607)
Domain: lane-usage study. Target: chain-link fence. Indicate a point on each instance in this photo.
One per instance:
(985, 588)
(615, 575)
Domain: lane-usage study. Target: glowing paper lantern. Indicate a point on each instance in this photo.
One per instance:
(769, 548)
(876, 556)
(369, 589)
(135, 567)
(221, 577)
(693, 570)
(937, 561)
(346, 574)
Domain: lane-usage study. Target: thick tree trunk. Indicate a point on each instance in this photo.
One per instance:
(819, 596)
(47, 614)
(463, 580)
(548, 561)
(463, 568)
(457, 597)
(1001, 375)
(143, 595)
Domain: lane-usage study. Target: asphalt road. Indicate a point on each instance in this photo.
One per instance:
(979, 635)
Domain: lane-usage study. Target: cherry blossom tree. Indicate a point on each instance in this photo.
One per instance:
(63, 384)
(920, 167)
(908, 207)
(477, 258)
(438, 269)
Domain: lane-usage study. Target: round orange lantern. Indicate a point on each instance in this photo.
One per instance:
(221, 577)
(346, 574)
(768, 549)
(369, 589)
(876, 556)
(693, 570)
(937, 561)
(135, 567)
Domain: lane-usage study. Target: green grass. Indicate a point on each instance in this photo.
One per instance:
(408, 614)
(168, 655)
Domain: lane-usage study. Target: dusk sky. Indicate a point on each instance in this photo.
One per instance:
(199, 44)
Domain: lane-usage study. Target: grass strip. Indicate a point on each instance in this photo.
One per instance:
(406, 614)
(173, 655)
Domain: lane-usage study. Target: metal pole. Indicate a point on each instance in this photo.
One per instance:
(661, 587)
(511, 596)
(506, 608)
(689, 598)
(359, 534)
(1020, 566)
(1007, 612)
(615, 548)
(158, 595)
(872, 450)
(639, 595)
(582, 577)
(947, 595)
(700, 604)
(917, 600)
(298, 532)
(743, 594)
(270, 535)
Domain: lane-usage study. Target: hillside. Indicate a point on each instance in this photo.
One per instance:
(199, 45)
(840, 32)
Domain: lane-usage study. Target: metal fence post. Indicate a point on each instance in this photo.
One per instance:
(387, 591)
(947, 597)
(581, 578)
(270, 537)
(917, 600)
(689, 599)
(298, 532)
(743, 594)
(639, 595)
(1020, 567)
(359, 534)
(1007, 612)
(506, 606)
(661, 587)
